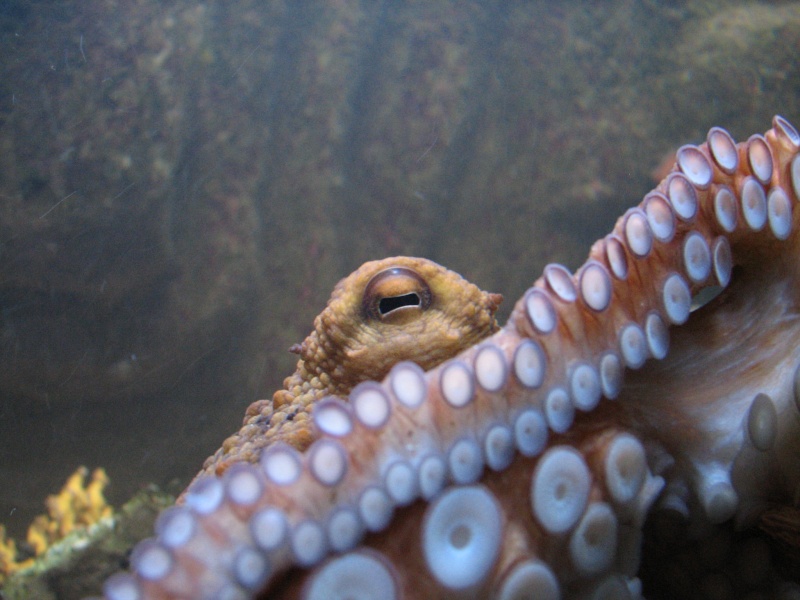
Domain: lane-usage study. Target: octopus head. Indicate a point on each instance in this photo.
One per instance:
(394, 309)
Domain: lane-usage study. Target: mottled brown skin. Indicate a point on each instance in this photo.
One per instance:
(388, 310)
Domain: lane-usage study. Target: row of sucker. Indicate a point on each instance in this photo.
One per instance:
(444, 436)
(583, 509)
(742, 469)
(747, 188)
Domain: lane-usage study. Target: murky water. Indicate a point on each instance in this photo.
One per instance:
(182, 184)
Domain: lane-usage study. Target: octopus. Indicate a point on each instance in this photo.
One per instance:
(658, 383)
(388, 310)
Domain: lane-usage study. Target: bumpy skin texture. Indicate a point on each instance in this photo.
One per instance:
(524, 465)
(430, 314)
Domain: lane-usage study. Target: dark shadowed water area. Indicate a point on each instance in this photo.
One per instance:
(183, 183)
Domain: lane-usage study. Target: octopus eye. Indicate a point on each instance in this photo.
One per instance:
(393, 292)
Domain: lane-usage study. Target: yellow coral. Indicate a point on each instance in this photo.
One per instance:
(97, 507)
(8, 556)
(78, 504)
(40, 534)
(8, 552)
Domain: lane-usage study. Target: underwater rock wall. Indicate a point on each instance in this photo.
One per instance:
(183, 183)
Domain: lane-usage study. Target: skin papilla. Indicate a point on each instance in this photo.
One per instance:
(389, 310)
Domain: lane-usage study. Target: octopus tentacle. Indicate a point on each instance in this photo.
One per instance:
(501, 469)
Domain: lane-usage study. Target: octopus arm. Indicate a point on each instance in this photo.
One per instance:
(523, 464)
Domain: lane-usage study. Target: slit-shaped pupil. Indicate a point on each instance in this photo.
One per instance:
(393, 289)
(387, 305)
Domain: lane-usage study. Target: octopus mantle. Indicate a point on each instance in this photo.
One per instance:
(524, 467)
